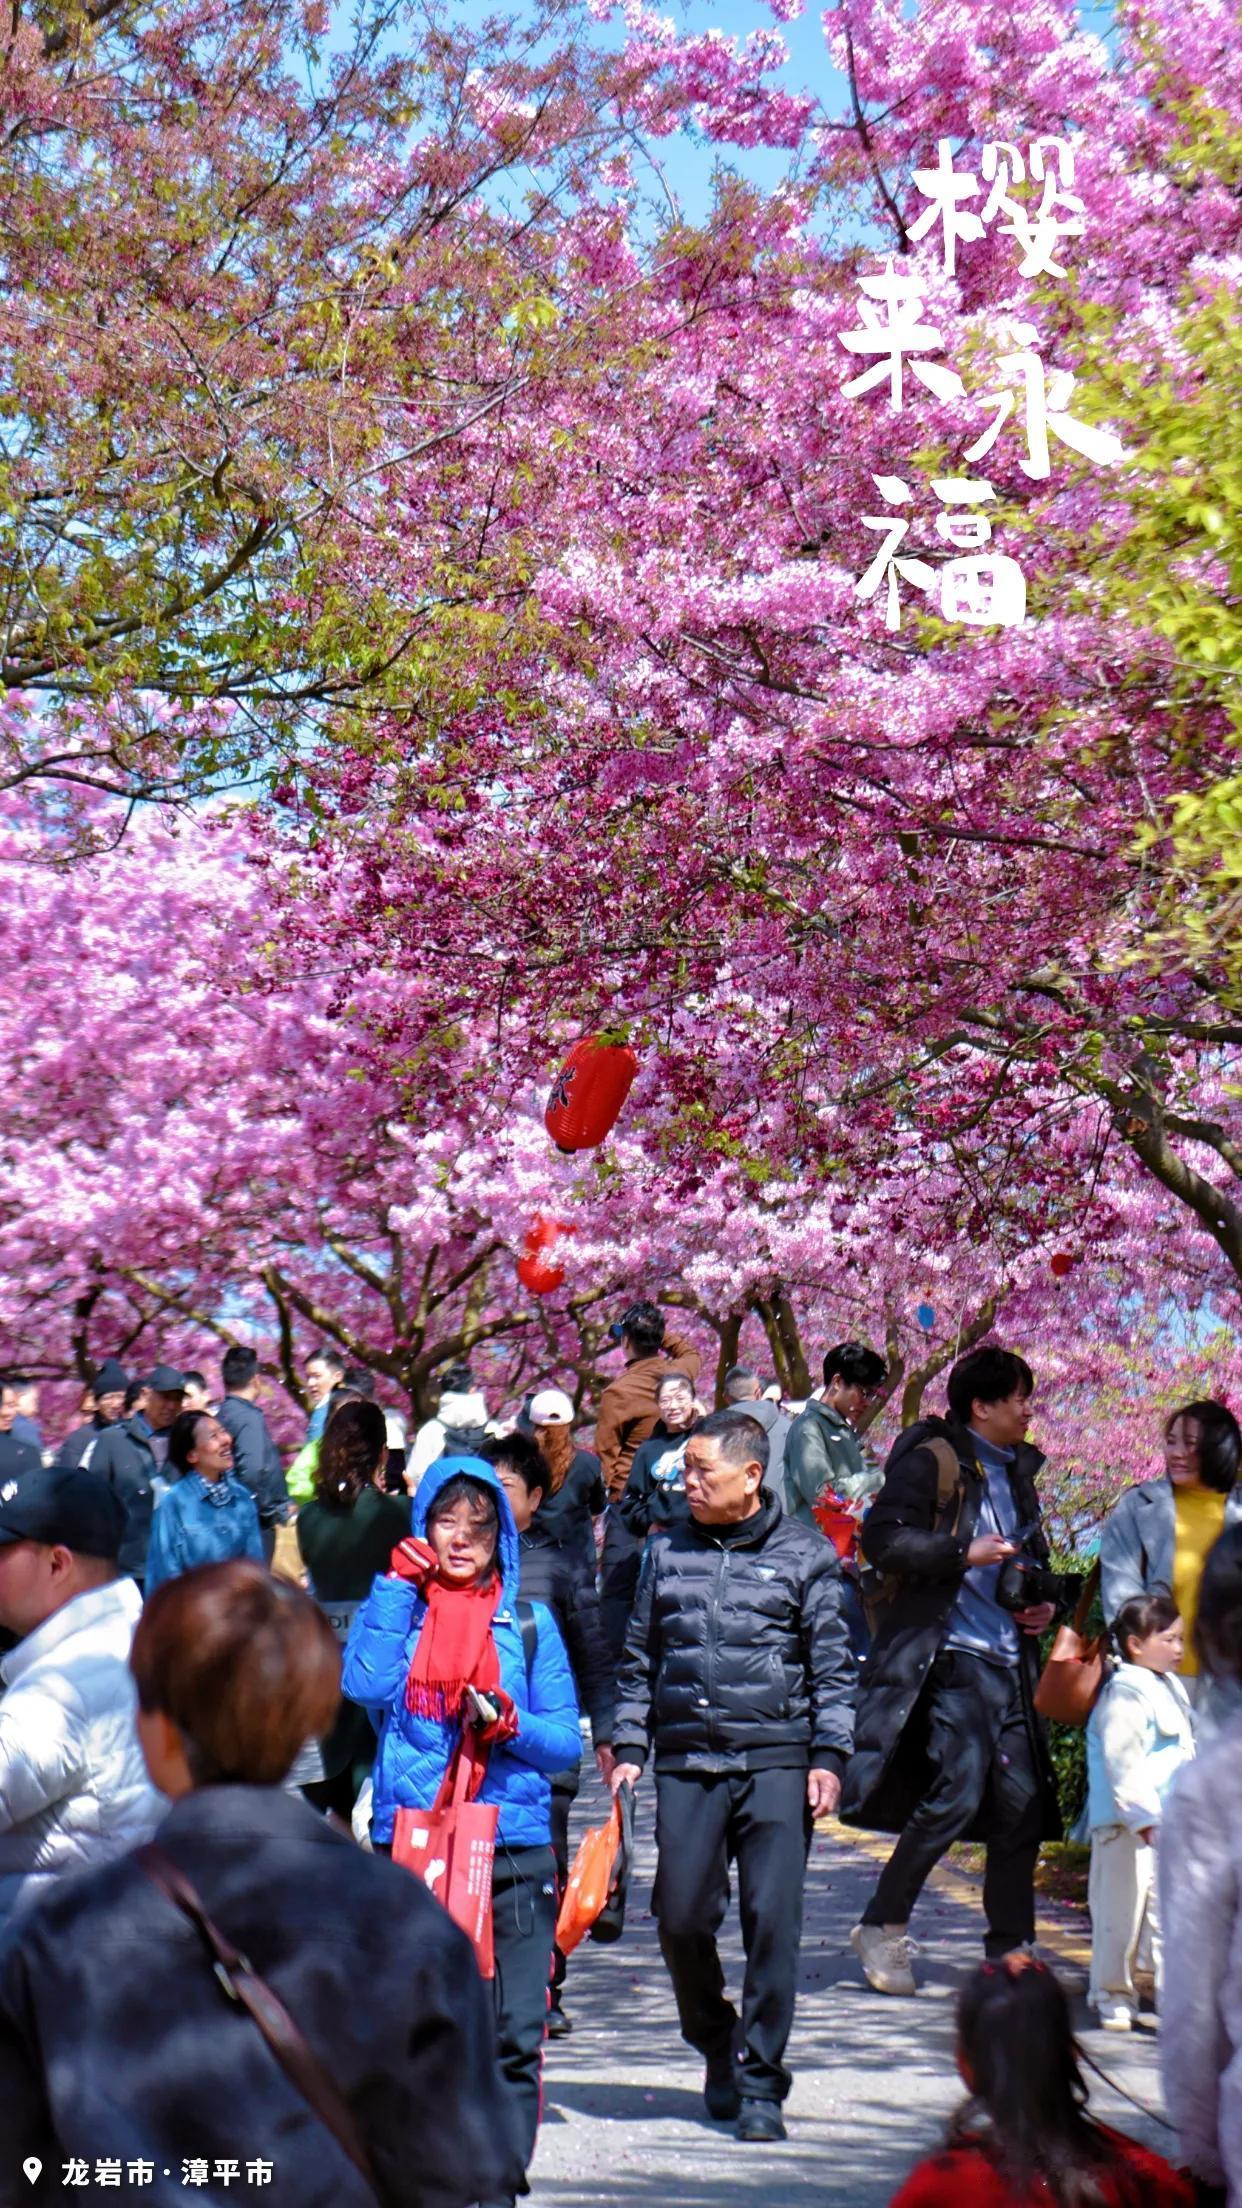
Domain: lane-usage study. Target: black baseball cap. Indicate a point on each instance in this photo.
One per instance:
(62, 1506)
(165, 1380)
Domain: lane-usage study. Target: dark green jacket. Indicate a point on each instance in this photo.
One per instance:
(822, 1451)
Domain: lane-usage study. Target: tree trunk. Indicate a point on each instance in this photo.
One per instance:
(791, 1341)
(894, 1358)
(730, 1335)
(922, 1375)
(764, 1313)
(288, 1363)
(81, 1322)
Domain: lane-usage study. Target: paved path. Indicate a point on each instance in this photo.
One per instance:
(874, 2080)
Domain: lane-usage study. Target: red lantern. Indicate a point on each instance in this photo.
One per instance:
(1062, 1264)
(535, 1269)
(588, 1093)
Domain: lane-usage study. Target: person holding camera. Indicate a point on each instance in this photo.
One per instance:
(628, 1415)
(628, 1408)
(949, 1745)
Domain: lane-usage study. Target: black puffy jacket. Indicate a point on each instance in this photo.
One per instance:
(737, 1658)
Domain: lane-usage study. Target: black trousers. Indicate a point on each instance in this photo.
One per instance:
(982, 1757)
(523, 1929)
(619, 1564)
(524, 1920)
(760, 1821)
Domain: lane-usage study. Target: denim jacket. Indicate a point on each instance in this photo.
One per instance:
(1136, 1548)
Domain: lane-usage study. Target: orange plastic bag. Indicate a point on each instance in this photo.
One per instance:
(591, 1881)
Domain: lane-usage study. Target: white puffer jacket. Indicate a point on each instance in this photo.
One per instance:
(73, 1786)
(1140, 1734)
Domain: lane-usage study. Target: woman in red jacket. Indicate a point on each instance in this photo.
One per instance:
(1024, 2138)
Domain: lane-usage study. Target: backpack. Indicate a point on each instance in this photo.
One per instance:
(463, 1441)
(529, 1629)
(879, 1589)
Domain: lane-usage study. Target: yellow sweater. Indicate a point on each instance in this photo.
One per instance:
(1199, 1518)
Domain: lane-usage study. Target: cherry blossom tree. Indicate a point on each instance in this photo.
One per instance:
(899, 876)
(557, 659)
(197, 1152)
(278, 290)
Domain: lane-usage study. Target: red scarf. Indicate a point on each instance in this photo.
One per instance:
(454, 1649)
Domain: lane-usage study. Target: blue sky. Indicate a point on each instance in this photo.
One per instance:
(809, 69)
(688, 167)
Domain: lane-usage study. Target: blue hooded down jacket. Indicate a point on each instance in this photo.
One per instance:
(414, 1751)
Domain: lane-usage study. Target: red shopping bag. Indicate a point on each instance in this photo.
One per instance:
(451, 1847)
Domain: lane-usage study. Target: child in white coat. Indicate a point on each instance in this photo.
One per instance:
(1139, 1736)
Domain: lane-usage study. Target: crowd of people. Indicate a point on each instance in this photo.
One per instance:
(235, 1693)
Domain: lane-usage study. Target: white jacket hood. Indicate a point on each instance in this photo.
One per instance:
(73, 1786)
(467, 1409)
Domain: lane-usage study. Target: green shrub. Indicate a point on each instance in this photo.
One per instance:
(1068, 1746)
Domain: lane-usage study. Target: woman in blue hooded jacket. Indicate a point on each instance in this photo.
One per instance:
(442, 1625)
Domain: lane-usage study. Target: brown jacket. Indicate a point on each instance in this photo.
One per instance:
(627, 1408)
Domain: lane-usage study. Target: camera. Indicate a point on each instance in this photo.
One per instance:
(1025, 1582)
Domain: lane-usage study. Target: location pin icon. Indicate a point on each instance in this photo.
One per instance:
(33, 2168)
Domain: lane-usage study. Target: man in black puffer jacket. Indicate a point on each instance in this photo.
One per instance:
(738, 1674)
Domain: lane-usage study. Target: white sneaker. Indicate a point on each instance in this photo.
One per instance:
(1114, 2016)
(884, 1950)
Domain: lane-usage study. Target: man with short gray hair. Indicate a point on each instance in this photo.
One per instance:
(738, 1678)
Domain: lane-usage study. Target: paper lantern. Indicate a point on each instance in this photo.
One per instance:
(588, 1093)
(536, 1268)
(1061, 1264)
(926, 1317)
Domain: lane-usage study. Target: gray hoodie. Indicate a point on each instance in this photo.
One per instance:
(777, 1427)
